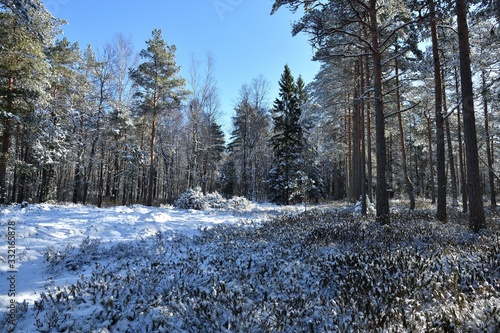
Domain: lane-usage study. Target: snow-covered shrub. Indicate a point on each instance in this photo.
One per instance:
(370, 207)
(53, 256)
(215, 200)
(239, 203)
(192, 199)
(195, 199)
(72, 258)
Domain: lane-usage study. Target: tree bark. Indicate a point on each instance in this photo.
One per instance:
(382, 205)
(6, 134)
(369, 165)
(356, 135)
(431, 158)
(152, 161)
(476, 208)
(438, 96)
(364, 205)
(451, 159)
(489, 154)
(462, 170)
(4, 161)
(408, 182)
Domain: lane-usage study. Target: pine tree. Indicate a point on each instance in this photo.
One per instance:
(475, 191)
(23, 81)
(347, 29)
(53, 130)
(160, 88)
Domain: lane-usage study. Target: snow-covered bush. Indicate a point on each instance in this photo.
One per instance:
(192, 199)
(215, 200)
(239, 203)
(53, 256)
(195, 199)
(73, 257)
(370, 207)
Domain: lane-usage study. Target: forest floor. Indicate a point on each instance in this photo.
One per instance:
(259, 269)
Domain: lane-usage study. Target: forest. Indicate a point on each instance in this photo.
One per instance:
(404, 106)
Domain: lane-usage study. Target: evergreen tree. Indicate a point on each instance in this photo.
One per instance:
(23, 82)
(477, 219)
(312, 186)
(160, 88)
(213, 147)
(288, 175)
(53, 143)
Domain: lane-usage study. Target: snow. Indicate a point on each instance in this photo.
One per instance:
(253, 269)
(44, 229)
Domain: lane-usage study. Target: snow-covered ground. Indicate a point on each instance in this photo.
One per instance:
(43, 231)
(262, 268)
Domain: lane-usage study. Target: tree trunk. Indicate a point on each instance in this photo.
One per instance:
(152, 161)
(438, 96)
(100, 181)
(6, 133)
(476, 209)
(4, 161)
(489, 153)
(78, 179)
(463, 186)
(364, 203)
(369, 136)
(408, 183)
(356, 136)
(451, 159)
(431, 159)
(348, 159)
(382, 205)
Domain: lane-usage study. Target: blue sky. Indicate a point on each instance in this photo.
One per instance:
(244, 39)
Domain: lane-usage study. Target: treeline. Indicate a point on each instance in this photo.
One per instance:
(391, 113)
(101, 125)
(105, 125)
(406, 99)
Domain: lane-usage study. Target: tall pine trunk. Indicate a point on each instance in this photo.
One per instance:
(151, 181)
(489, 153)
(408, 183)
(451, 159)
(438, 96)
(462, 170)
(364, 203)
(476, 208)
(431, 157)
(382, 205)
(369, 178)
(356, 135)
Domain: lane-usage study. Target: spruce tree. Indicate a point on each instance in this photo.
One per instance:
(311, 185)
(287, 142)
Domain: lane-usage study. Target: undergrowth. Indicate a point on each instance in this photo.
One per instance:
(312, 272)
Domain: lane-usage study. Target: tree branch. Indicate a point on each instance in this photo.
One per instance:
(401, 111)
